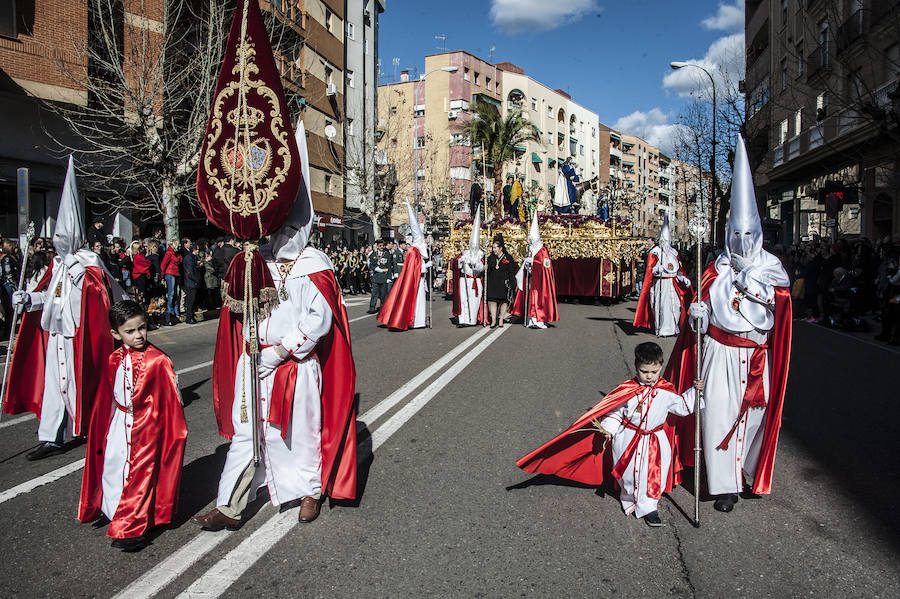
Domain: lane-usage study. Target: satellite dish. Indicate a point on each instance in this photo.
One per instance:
(330, 131)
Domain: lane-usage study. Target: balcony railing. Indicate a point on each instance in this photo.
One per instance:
(851, 30)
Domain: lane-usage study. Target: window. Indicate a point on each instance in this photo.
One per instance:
(8, 19)
(823, 41)
(799, 59)
(350, 32)
(329, 73)
(349, 78)
(328, 185)
(784, 7)
(476, 77)
(420, 174)
(798, 121)
(581, 149)
(487, 82)
(419, 110)
(534, 103)
(549, 111)
(593, 132)
(782, 131)
(393, 142)
(393, 110)
(420, 141)
(329, 21)
(466, 74)
(349, 126)
(460, 172)
(784, 75)
(459, 139)
(821, 111)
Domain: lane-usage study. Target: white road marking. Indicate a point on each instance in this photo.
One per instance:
(229, 569)
(376, 411)
(16, 420)
(41, 480)
(360, 317)
(194, 367)
(153, 581)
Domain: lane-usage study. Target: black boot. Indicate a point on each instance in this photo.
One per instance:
(725, 503)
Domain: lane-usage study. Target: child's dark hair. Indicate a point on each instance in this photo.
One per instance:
(648, 353)
(124, 310)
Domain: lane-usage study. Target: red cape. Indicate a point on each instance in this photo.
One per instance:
(681, 371)
(150, 495)
(643, 316)
(576, 453)
(93, 344)
(457, 304)
(542, 291)
(338, 388)
(399, 308)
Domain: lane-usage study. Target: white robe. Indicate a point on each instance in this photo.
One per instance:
(419, 316)
(664, 300)
(470, 300)
(633, 484)
(291, 468)
(118, 440)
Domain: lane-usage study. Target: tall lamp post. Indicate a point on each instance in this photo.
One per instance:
(416, 130)
(712, 161)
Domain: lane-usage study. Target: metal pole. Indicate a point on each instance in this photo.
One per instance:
(712, 162)
(699, 394)
(29, 235)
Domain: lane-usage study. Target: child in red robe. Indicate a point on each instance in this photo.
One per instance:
(637, 416)
(136, 438)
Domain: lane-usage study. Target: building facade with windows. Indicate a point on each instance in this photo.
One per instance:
(566, 129)
(823, 126)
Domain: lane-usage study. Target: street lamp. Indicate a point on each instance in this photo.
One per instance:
(416, 130)
(712, 161)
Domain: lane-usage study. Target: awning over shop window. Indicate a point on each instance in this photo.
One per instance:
(536, 159)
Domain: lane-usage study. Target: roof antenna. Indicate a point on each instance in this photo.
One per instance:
(443, 38)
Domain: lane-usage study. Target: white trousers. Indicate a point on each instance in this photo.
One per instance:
(469, 300)
(291, 468)
(633, 494)
(419, 315)
(666, 306)
(60, 391)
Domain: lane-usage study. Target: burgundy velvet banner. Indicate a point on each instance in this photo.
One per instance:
(593, 277)
(249, 172)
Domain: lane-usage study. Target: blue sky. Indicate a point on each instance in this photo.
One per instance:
(612, 58)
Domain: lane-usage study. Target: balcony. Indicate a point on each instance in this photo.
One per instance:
(615, 152)
(851, 30)
(758, 69)
(819, 59)
(759, 20)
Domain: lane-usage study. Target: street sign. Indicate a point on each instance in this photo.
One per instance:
(23, 194)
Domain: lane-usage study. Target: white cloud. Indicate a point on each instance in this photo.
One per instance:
(653, 126)
(724, 59)
(517, 16)
(730, 17)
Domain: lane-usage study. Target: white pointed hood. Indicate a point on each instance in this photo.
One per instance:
(665, 238)
(289, 240)
(743, 235)
(534, 236)
(68, 237)
(418, 238)
(475, 236)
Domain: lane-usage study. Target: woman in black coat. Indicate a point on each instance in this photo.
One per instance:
(501, 281)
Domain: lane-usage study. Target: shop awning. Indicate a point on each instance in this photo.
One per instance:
(519, 148)
(628, 163)
(536, 159)
(328, 220)
(486, 98)
(615, 136)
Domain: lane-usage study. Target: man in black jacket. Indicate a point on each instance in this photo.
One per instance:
(193, 278)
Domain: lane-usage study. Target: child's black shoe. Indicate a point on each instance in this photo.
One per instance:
(652, 519)
(725, 503)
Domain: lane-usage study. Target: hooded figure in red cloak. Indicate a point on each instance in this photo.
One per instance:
(539, 290)
(661, 306)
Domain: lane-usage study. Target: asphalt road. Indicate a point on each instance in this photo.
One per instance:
(444, 414)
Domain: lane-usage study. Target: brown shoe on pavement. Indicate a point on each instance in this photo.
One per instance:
(309, 509)
(216, 520)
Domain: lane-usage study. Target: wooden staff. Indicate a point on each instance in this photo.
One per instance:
(29, 235)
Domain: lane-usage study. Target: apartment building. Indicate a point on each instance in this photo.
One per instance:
(429, 111)
(360, 98)
(566, 129)
(822, 104)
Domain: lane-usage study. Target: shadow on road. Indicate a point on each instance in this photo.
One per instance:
(364, 459)
(626, 325)
(199, 484)
(189, 393)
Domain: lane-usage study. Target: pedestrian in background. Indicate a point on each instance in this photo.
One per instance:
(171, 271)
(140, 272)
(380, 267)
(501, 280)
(193, 279)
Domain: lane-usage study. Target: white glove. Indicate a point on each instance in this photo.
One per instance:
(739, 262)
(699, 312)
(21, 298)
(685, 281)
(74, 267)
(269, 360)
(528, 262)
(427, 264)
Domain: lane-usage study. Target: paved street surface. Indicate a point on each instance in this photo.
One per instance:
(444, 512)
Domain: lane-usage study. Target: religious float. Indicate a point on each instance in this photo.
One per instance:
(591, 257)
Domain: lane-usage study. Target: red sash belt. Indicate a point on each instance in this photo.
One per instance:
(754, 395)
(282, 400)
(474, 282)
(654, 474)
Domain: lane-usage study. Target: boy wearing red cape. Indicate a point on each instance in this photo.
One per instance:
(638, 417)
(541, 289)
(404, 307)
(661, 306)
(306, 382)
(745, 314)
(136, 440)
(61, 350)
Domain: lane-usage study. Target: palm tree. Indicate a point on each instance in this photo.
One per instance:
(500, 136)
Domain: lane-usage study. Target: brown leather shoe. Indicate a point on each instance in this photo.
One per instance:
(309, 509)
(216, 520)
